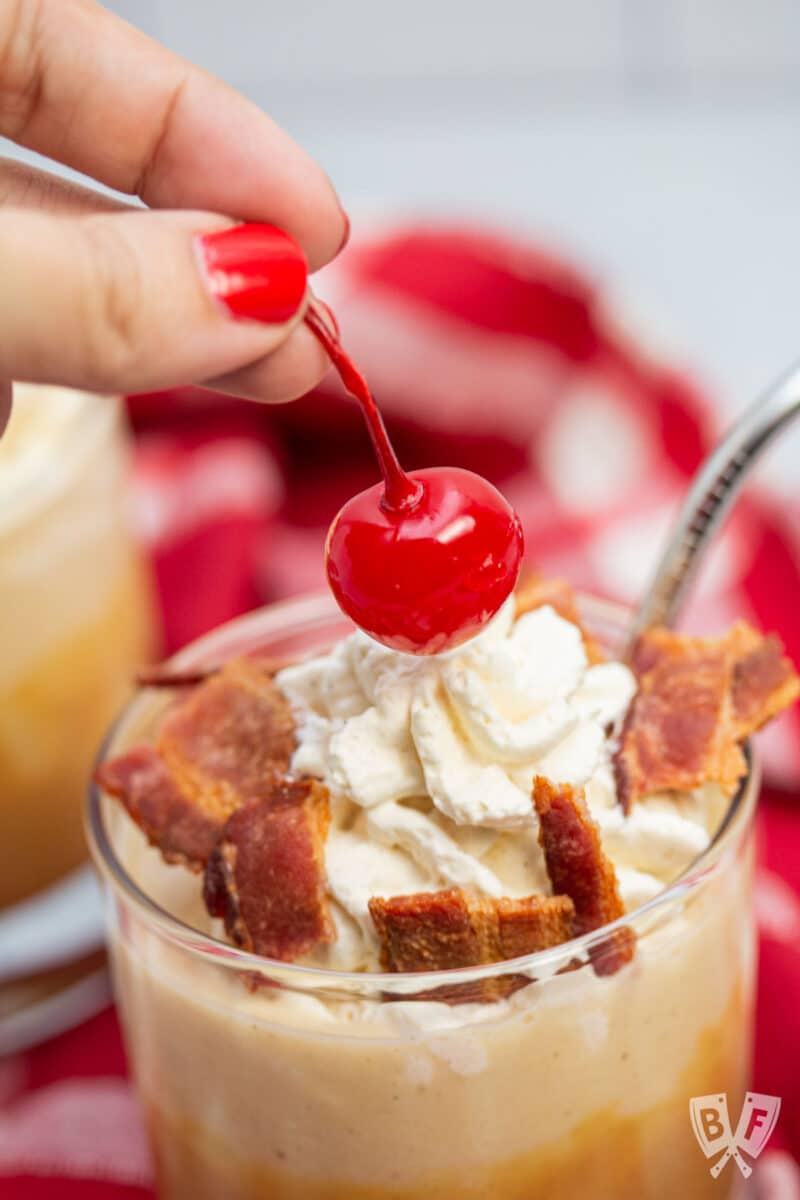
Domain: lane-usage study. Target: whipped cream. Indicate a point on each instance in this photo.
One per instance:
(430, 763)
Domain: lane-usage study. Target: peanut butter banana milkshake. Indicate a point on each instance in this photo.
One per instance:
(74, 621)
(465, 924)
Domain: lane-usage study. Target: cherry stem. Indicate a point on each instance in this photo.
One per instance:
(401, 493)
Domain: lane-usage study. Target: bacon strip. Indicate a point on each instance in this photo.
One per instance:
(436, 931)
(219, 747)
(579, 868)
(534, 592)
(266, 877)
(764, 680)
(184, 831)
(697, 700)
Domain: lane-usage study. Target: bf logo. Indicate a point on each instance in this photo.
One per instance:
(712, 1128)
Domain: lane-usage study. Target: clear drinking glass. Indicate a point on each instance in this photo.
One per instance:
(265, 1081)
(75, 618)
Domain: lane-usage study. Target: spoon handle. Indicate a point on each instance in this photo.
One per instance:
(713, 490)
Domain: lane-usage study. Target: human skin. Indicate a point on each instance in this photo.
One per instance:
(99, 294)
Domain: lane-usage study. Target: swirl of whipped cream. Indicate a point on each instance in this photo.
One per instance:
(468, 729)
(430, 763)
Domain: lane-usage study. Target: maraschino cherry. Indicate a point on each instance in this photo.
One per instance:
(423, 560)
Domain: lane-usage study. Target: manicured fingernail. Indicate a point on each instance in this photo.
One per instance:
(346, 235)
(256, 272)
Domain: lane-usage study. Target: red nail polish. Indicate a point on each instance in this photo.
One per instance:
(256, 271)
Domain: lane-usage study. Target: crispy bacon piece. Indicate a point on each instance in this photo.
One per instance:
(764, 680)
(231, 735)
(534, 592)
(697, 700)
(266, 877)
(184, 829)
(579, 868)
(678, 731)
(220, 746)
(435, 931)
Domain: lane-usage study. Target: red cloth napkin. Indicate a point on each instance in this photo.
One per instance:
(495, 356)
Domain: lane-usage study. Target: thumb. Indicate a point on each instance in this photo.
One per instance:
(140, 301)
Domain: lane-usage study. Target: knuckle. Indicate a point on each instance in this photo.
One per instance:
(21, 68)
(160, 137)
(112, 299)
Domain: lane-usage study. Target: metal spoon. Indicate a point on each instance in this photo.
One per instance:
(709, 499)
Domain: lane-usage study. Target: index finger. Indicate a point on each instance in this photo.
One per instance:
(85, 88)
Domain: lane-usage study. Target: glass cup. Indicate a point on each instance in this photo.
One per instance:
(75, 618)
(266, 1081)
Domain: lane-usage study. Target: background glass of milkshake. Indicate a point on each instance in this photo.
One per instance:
(75, 619)
(264, 1080)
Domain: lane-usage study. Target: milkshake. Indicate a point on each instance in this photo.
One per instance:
(507, 962)
(74, 616)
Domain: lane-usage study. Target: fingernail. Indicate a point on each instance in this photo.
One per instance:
(346, 235)
(256, 272)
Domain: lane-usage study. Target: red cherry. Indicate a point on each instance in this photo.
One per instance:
(426, 579)
(422, 561)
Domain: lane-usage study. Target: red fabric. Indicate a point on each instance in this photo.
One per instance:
(495, 356)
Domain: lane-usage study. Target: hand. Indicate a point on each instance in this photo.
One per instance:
(101, 295)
